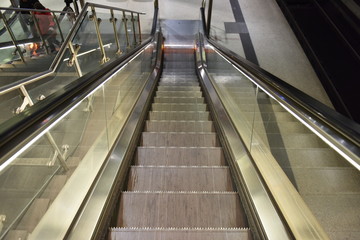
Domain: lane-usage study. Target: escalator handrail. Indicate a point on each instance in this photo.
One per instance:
(338, 126)
(58, 57)
(16, 130)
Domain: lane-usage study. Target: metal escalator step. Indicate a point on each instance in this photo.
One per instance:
(180, 178)
(179, 100)
(179, 64)
(180, 156)
(174, 82)
(181, 210)
(177, 115)
(179, 126)
(180, 234)
(179, 94)
(179, 88)
(167, 139)
(167, 72)
(184, 77)
(178, 107)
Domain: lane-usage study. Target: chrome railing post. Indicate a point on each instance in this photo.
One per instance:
(114, 20)
(12, 36)
(126, 30)
(140, 39)
(36, 22)
(58, 26)
(133, 27)
(104, 59)
(73, 60)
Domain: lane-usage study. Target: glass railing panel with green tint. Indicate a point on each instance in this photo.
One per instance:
(325, 180)
(58, 166)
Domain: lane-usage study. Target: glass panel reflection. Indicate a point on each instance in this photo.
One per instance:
(79, 142)
(325, 180)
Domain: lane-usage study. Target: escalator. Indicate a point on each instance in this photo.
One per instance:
(180, 186)
(178, 139)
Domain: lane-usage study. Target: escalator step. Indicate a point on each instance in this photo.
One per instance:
(178, 82)
(179, 88)
(167, 139)
(180, 156)
(179, 100)
(181, 210)
(179, 234)
(178, 94)
(178, 107)
(179, 178)
(177, 115)
(179, 126)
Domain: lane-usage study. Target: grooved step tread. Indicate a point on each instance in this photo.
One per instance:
(178, 210)
(163, 139)
(173, 82)
(179, 126)
(179, 107)
(179, 234)
(178, 94)
(180, 156)
(179, 178)
(179, 88)
(179, 100)
(179, 115)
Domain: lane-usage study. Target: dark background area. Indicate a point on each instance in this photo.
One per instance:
(329, 32)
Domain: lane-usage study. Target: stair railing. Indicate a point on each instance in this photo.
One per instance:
(74, 48)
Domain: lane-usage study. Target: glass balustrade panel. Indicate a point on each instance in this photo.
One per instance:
(35, 178)
(237, 92)
(325, 180)
(123, 89)
(64, 75)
